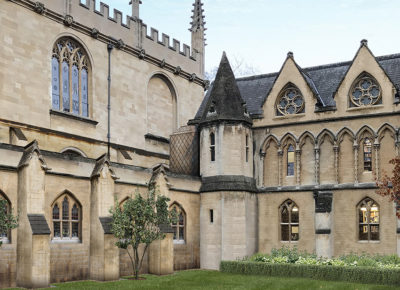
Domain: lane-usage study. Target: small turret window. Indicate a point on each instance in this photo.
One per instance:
(212, 146)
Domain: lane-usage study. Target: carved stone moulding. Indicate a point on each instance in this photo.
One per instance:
(68, 20)
(39, 8)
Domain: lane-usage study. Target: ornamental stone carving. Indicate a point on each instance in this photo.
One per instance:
(68, 20)
(39, 8)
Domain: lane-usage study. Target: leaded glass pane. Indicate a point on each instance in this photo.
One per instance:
(374, 232)
(75, 230)
(65, 209)
(75, 90)
(57, 232)
(75, 213)
(294, 233)
(285, 215)
(175, 232)
(56, 212)
(284, 232)
(55, 83)
(65, 86)
(65, 229)
(181, 219)
(374, 215)
(363, 235)
(84, 93)
(181, 233)
(295, 215)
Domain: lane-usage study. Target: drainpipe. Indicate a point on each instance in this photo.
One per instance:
(110, 47)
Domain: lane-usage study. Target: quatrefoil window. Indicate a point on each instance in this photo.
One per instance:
(365, 92)
(290, 102)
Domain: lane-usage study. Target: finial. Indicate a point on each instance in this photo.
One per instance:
(290, 54)
(198, 17)
(364, 42)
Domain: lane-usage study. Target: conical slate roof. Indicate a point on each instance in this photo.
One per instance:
(225, 102)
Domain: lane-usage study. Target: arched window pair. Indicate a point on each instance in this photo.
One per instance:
(289, 221)
(66, 219)
(179, 226)
(70, 77)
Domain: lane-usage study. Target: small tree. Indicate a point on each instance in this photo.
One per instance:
(138, 222)
(7, 220)
(390, 185)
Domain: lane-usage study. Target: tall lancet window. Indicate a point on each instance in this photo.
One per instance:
(212, 146)
(367, 148)
(70, 77)
(290, 161)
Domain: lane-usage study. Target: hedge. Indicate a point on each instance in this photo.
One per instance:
(365, 275)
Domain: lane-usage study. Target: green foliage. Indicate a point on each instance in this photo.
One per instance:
(7, 220)
(138, 222)
(320, 272)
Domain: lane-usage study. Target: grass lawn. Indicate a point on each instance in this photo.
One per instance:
(201, 279)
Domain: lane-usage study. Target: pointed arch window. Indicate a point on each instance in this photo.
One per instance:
(70, 74)
(290, 101)
(66, 219)
(5, 236)
(212, 146)
(289, 219)
(247, 148)
(365, 91)
(368, 219)
(179, 226)
(367, 150)
(290, 160)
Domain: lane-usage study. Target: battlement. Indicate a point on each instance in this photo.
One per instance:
(131, 30)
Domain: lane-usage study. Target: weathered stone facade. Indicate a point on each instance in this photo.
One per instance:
(252, 155)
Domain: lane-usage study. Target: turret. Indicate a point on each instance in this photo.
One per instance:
(225, 129)
(135, 7)
(198, 33)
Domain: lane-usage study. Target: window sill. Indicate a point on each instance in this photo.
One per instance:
(179, 242)
(369, 242)
(289, 242)
(65, 241)
(292, 116)
(73, 117)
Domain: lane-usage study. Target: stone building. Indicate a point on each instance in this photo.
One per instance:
(94, 107)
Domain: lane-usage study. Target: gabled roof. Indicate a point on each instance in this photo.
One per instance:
(224, 102)
(325, 79)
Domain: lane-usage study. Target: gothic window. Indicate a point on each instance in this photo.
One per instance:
(290, 161)
(66, 219)
(368, 213)
(289, 218)
(70, 73)
(247, 148)
(365, 92)
(212, 146)
(290, 101)
(367, 149)
(5, 236)
(179, 225)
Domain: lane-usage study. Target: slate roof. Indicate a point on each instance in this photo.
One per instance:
(323, 80)
(225, 102)
(38, 224)
(106, 224)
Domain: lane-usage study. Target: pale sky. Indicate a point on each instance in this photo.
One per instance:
(261, 32)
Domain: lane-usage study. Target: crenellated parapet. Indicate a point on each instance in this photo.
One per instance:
(127, 33)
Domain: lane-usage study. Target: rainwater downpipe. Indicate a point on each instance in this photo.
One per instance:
(110, 47)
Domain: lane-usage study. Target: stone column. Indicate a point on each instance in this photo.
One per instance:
(161, 253)
(316, 150)
(280, 164)
(336, 152)
(33, 241)
(104, 255)
(323, 224)
(262, 169)
(355, 148)
(298, 168)
(377, 160)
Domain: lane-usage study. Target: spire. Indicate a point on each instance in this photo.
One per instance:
(198, 17)
(225, 102)
(135, 8)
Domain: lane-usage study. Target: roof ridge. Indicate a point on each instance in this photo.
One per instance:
(317, 67)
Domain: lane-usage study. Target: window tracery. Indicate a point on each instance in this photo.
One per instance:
(70, 77)
(365, 92)
(179, 225)
(66, 219)
(289, 220)
(290, 102)
(368, 212)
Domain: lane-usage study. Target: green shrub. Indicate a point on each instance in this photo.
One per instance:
(320, 272)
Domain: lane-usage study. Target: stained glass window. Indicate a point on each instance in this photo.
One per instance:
(365, 92)
(289, 218)
(368, 213)
(70, 86)
(290, 102)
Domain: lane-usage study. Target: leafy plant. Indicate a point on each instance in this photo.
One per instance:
(138, 222)
(7, 220)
